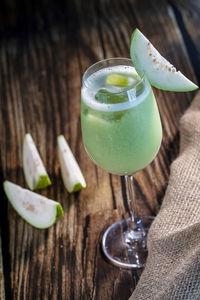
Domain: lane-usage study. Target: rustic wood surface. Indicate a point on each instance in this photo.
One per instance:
(2, 284)
(45, 47)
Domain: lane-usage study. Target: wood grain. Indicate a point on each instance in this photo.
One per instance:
(2, 284)
(45, 48)
(187, 15)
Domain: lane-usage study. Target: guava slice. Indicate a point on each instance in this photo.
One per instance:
(160, 73)
(116, 80)
(105, 96)
(35, 173)
(36, 209)
(71, 174)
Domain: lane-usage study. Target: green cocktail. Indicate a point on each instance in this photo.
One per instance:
(120, 123)
(122, 134)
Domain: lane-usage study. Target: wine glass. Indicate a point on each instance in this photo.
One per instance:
(122, 133)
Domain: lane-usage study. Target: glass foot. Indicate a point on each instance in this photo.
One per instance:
(125, 244)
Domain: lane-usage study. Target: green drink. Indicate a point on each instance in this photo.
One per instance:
(122, 134)
(120, 120)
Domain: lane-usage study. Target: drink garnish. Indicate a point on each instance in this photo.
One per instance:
(105, 96)
(116, 80)
(160, 73)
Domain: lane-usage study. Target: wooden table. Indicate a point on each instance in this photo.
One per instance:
(45, 47)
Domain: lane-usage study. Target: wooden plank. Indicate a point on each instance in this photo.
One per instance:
(2, 289)
(187, 15)
(42, 63)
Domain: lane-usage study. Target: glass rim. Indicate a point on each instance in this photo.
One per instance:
(142, 78)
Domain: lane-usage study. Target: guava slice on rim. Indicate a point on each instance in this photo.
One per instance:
(160, 73)
(35, 173)
(36, 209)
(71, 173)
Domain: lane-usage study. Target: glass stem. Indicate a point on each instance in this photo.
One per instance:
(133, 205)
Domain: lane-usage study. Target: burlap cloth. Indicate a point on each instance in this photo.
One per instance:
(172, 271)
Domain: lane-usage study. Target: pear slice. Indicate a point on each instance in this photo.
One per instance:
(71, 174)
(160, 73)
(36, 209)
(35, 173)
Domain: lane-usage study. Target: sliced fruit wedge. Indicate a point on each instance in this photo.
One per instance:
(105, 96)
(71, 174)
(35, 173)
(160, 73)
(36, 209)
(116, 80)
